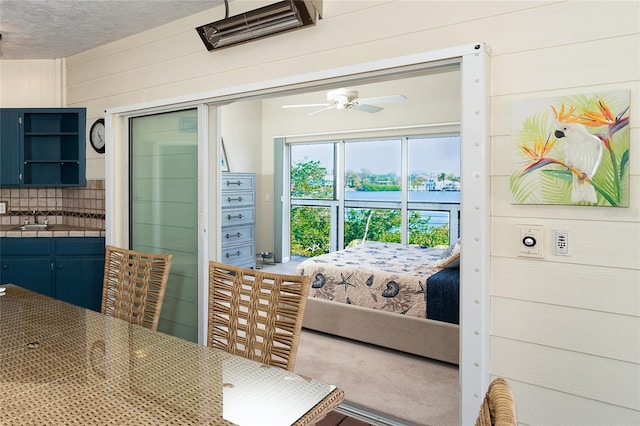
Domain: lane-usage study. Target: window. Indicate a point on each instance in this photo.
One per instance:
(400, 189)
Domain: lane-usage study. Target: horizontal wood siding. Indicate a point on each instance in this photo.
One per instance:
(588, 287)
(604, 334)
(584, 375)
(544, 406)
(566, 329)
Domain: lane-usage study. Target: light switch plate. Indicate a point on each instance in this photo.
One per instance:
(530, 241)
(561, 243)
(3, 207)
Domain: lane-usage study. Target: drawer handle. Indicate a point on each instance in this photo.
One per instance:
(233, 235)
(232, 254)
(229, 199)
(234, 183)
(229, 217)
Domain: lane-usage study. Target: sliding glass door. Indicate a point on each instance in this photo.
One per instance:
(164, 208)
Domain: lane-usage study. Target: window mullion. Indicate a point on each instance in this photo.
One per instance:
(404, 198)
(338, 231)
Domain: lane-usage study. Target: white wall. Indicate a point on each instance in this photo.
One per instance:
(565, 331)
(241, 125)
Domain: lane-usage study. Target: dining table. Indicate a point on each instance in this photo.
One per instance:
(61, 364)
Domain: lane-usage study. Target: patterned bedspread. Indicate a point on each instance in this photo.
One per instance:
(386, 276)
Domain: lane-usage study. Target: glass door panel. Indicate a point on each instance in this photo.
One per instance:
(310, 230)
(313, 171)
(362, 225)
(373, 170)
(164, 209)
(429, 228)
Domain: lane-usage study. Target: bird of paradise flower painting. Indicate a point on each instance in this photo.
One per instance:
(571, 150)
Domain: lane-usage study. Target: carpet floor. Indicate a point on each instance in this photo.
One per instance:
(392, 387)
(382, 386)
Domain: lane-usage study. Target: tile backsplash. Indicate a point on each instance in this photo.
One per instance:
(82, 207)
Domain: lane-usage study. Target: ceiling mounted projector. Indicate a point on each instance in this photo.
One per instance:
(268, 20)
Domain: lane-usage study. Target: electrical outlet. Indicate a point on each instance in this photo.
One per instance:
(530, 241)
(3, 207)
(561, 243)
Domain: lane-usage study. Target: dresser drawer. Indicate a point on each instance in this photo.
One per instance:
(249, 264)
(238, 218)
(238, 182)
(237, 235)
(238, 255)
(238, 199)
(241, 216)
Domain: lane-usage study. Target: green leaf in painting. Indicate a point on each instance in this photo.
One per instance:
(560, 174)
(624, 161)
(523, 189)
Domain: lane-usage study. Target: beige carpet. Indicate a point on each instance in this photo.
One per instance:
(405, 388)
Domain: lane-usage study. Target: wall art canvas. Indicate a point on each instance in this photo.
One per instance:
(571, 150)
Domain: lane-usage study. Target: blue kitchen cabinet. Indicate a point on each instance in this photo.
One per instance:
(68, 269)
(43, 147)
(79, 271)
(27, 262)
(10, 144)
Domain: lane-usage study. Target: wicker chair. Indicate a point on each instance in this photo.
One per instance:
(256, 315)
(134, 285)
(498, 407)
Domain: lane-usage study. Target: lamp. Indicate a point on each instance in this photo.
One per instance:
(268, 20)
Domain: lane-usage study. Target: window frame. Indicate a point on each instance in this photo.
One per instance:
(339, 203)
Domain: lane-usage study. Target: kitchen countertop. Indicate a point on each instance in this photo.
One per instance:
(13, 231)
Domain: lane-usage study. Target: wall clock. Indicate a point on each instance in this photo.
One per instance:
(97, 136)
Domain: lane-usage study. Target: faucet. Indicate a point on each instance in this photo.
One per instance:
(35, 218)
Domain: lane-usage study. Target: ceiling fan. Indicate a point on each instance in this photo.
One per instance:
(344, 99)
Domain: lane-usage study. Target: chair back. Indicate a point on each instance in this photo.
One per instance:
(256, 315)
(498, 407)
(134, 285)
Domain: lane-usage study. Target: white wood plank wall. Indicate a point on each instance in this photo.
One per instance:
(25, 84)
(564, 329)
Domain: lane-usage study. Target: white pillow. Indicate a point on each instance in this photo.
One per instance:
(450, 258)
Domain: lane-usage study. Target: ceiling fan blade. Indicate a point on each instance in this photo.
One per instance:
(367, 108)
(322, 109)
(305, 105)
(383, 99)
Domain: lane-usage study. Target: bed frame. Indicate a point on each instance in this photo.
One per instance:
(418, 336)
(436, 336)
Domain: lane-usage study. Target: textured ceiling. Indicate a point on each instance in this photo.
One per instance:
(48, 29)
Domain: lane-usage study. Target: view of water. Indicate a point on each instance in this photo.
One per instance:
(437, 218)
(417, 196)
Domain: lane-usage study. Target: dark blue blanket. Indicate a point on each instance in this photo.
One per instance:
(443, 296)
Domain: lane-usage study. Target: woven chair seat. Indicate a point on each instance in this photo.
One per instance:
(256, 315)
(134, 285)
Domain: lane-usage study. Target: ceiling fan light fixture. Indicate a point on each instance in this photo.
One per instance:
(344, 99)
(275, 18)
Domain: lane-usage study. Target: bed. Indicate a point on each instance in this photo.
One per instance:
(402, 297)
